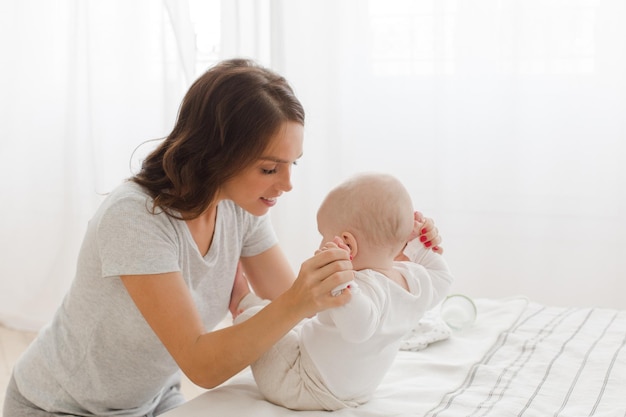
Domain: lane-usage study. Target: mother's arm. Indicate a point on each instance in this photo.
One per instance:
(209, 358)
(269, 273)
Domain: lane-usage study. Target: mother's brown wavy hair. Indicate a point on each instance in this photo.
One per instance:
(224, 124)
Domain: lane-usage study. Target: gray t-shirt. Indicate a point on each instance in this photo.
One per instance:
(99, 356)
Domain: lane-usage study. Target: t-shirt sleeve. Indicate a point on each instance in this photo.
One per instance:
(259, 237)
(133, 241)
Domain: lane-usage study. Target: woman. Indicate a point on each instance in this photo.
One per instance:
(159, 258)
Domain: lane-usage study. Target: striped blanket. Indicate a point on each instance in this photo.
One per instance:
(551, 362)
(518, 359)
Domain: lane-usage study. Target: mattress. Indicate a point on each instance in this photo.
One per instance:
(519, 358)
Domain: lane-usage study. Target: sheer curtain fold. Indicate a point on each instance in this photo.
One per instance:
(86, 82)
(504, 118)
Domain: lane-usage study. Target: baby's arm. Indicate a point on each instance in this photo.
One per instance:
(357, 320)
(434, 276)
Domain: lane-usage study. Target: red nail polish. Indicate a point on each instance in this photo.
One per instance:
(423, 238)
(424, 231)
(427, 244)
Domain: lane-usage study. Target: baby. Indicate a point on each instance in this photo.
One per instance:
(338, 358)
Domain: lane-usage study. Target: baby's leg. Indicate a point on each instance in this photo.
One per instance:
(249, 305)
(278, 372)
(278, 375)
(243, 302)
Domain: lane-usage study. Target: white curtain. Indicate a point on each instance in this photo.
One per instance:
(84, 82)
(506, 119)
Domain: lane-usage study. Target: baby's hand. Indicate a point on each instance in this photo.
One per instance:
(339, 243)
(326, 246)
(336, 243)
(423, 229)
(418, 221)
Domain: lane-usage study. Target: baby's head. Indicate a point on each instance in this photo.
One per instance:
(371, 212)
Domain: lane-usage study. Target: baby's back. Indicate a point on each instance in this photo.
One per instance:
(353, 346)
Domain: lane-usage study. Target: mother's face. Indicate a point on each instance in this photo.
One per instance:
(257, 187)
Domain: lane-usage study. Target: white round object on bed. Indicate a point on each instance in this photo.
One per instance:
(458, 311)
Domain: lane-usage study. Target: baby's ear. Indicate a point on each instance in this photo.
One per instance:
(350, 241)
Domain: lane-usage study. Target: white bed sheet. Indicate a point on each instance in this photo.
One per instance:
(414, 386)
(553, 361)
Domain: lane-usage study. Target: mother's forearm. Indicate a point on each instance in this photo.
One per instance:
(219, 355)
(268, 273)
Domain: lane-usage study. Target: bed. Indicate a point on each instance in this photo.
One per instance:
(519, 358)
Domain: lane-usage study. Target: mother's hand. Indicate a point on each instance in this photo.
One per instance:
(423, 229)
(329, 268)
